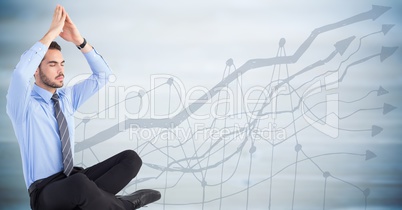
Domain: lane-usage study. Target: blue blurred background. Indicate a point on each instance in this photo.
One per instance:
(151, 45)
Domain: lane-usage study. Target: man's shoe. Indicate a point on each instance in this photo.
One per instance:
(141, 198)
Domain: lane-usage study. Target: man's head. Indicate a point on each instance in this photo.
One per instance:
(50, 73)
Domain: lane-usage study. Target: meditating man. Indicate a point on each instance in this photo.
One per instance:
(43, 121)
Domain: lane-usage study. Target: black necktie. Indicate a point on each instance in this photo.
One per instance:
(64, 136)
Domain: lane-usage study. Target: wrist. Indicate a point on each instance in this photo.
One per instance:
(79, 41)
(48, 38)
(82, 45)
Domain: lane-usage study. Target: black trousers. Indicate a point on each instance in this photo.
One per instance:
(91, 188)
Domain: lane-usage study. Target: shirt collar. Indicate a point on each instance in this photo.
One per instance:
(44, 94)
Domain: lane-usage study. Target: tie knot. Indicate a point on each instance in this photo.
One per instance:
(55, 97)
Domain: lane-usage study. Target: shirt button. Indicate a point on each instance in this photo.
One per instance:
(40, 49)
(29, 60)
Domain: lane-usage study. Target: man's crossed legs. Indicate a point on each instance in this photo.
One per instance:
(96, 187)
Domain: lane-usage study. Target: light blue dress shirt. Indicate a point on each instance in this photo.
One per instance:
(31, 111)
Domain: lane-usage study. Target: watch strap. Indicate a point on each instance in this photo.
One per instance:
(82, 45)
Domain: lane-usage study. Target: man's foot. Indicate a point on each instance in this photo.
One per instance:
(141, 198)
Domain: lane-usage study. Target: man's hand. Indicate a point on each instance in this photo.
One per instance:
(58, 22)
(70, 32)
(63, 25)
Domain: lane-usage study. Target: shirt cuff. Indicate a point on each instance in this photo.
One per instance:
(39, 48)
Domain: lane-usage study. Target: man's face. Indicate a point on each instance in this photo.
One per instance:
(50, 73)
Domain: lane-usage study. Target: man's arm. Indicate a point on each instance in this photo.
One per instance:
(56, 27)
(20, 88)
(70, 33)
(82, 91)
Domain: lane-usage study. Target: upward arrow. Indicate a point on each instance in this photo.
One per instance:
(384, 54)
(372, 14)
(377, 11)
(342, 45)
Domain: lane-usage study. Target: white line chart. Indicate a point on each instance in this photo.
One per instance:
(218, 155)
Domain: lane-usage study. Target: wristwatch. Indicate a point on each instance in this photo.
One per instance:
(82, 45)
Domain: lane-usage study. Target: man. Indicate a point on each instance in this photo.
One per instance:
(43, 122)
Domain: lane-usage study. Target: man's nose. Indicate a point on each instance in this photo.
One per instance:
(60, 69)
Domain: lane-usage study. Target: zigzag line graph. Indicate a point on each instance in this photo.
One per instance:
(373, 14)
(213, 165)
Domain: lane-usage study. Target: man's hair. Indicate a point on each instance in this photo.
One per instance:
(54, 46)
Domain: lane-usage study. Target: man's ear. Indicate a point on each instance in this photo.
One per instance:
(36, 72)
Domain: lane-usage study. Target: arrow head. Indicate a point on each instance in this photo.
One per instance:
(370, 155)
(381, 91)
(377, 11)
(386, 52)
(342, 45)
(387, 108)
(375, 130)
(386, 27)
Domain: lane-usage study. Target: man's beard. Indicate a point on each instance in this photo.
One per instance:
(46, 80)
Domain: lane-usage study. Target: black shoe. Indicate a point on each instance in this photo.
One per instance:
(141, 198)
